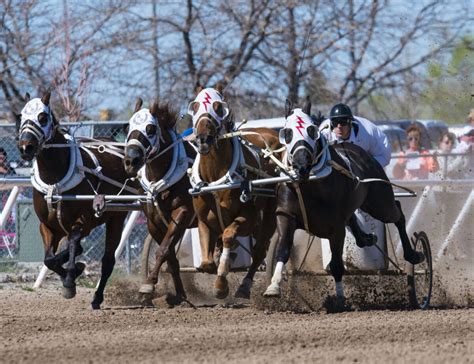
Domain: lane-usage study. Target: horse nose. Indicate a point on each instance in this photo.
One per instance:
(27, 149)
(132, 160)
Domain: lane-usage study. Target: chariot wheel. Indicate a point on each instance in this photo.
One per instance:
(148, 257)
(420, 276)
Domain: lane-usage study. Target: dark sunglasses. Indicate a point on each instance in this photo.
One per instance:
(413, 138)
(341, 122)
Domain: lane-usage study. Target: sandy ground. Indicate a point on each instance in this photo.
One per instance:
(41, 326)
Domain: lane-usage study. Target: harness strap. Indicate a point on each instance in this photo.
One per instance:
(108, 180)
(219, 211)
(302, 206)
(160, 212)
(352, 176)
(59, 218)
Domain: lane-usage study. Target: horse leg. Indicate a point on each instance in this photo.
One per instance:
(362, 238)
(409, 254)
(336, 264)
(114, 227)
(264, 235)
(51, 242)
(229, 236)
(286, 226)
(158, 234)
(180, 220)
(74, 249)
(207, 240)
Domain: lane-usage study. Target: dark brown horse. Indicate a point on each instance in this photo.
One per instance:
(330, 201)
(58, 170)
(221, 215)
(153, 143)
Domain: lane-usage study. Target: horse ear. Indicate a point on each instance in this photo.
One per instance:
(154, 108)
(198, 88)
(307, 106)
(46, 97)
(288, 107)
(27, 97)
(17, 119)
(138, 104)
(220, 85)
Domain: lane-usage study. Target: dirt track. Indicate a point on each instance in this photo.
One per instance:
(43, 327)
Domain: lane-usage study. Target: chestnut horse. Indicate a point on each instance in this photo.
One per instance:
(154, 152)
(221, 215)
(62, 166)
(325, 205)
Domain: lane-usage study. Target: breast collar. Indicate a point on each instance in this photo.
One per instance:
(178, 168)
(238, 163)
(71, 179)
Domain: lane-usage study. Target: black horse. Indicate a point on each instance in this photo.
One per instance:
(329, 202)
(76, 171)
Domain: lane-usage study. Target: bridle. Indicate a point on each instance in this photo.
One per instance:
(30, 123)
(139, 122)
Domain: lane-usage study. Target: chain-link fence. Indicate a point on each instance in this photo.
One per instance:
(20, 239)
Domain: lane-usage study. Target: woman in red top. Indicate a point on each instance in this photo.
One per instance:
(414, 168)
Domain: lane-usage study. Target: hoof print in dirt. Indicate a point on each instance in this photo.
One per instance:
(167, 301)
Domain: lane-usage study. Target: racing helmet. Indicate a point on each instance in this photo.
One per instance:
(340, 114)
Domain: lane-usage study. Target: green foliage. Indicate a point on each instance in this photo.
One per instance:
(447, 94)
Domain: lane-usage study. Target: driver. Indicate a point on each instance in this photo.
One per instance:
(342, 126)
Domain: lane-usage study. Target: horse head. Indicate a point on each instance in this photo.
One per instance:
(300, 136)
(144, 134)
(210, 115)
(37, 125)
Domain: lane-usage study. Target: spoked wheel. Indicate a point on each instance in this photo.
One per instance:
(148, 257)
(420, 276)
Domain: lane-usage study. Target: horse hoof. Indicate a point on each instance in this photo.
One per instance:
(415, 258)
(147, 288)
(208, 267)
(69, 292)
(95, 306)
(242, 292)
(272, 291)
(221, 288)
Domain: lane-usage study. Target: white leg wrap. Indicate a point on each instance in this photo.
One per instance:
(277, 275)
(223, 268)
(339, 289)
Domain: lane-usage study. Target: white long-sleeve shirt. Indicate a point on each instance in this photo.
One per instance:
(365, 134)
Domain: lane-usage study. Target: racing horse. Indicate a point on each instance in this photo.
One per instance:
(222, 216)
(63, 166)
(325, 205)
(154, 152)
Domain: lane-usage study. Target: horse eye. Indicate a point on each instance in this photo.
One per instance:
(43, 119)
(311, 130)
(150, 130)
(217, 106)
(288, 135)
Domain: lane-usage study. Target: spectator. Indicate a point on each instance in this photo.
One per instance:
(466, 140)
(446, 142)
(416, 167)
(4, 167)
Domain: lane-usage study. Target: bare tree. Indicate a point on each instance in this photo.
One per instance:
(385, 41)
(25, 47)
